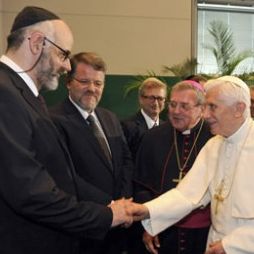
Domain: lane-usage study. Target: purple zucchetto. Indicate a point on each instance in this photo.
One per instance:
(195, 84)
(31, 15)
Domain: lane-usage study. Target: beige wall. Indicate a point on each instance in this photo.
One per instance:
(132, 36)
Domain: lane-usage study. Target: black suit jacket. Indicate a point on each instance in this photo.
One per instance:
(104, 182)
(40, 210)
(134, 129)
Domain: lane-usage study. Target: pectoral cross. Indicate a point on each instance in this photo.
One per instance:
(180, 177)
(218, 197)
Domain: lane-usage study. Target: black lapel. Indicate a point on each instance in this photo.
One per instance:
(74, 115)
(31, 99)
(25, 91)
(104, 124)
(140, 120)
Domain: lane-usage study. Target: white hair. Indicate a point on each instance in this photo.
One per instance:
(233, 90)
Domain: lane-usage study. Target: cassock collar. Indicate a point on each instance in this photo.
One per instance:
(186, 132)
(189, 131)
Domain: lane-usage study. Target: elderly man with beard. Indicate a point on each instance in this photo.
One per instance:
(42, 207)
(96, 142)
(222, 174)
(166, 154)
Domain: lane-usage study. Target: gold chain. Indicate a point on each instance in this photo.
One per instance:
(177, 152)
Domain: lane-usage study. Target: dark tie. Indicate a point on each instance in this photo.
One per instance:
(43, 104)
(155, 124)
(99, 135)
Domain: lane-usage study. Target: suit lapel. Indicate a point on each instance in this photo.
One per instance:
(25, 91)
(31, 99)
(74, 115)
(35, 104)
(140, 120)
(105, 127)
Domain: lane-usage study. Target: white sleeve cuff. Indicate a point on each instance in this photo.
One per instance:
(165, 211)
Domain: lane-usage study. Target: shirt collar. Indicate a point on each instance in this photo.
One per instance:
(83, 112)
(149, 121)
(27, 79)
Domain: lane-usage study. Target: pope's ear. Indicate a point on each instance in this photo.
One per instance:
(240, 108)
(36, 42)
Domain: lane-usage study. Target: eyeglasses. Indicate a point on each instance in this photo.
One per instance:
(153, 98)
(86, 82)
(65, 53)
(182, 106)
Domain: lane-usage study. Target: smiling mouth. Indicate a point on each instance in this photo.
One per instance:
(177, 119)
(89, 95)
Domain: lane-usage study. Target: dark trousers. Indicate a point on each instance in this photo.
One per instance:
(113, 243)
(176, 240)
(135, 243)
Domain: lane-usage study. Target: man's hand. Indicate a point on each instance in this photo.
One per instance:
(151, 242)
(215, 248)
(120, 215)
(138, 211)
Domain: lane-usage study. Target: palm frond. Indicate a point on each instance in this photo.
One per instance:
(182, 70)
(223, 48)
(138, 80)
(247, 77)
(235, 61)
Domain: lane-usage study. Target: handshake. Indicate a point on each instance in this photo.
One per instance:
(125, 211)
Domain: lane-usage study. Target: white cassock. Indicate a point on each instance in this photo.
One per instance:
(224, 168)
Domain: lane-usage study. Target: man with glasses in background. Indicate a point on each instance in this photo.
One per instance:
(166, 154)
(151, 96)
(96, 143)
(42, 207)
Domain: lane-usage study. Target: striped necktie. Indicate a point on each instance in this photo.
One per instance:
(99, 136)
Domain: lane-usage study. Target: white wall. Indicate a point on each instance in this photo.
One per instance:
(131, 36)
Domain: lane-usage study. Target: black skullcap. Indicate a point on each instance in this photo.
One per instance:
(31, 15)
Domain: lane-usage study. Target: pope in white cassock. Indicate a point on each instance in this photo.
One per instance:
(222, 174)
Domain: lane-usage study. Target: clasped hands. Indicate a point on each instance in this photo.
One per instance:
(125, 211)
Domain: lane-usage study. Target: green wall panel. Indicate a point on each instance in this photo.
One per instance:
(113, 96)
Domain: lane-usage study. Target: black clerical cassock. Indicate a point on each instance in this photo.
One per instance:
(164, 157)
